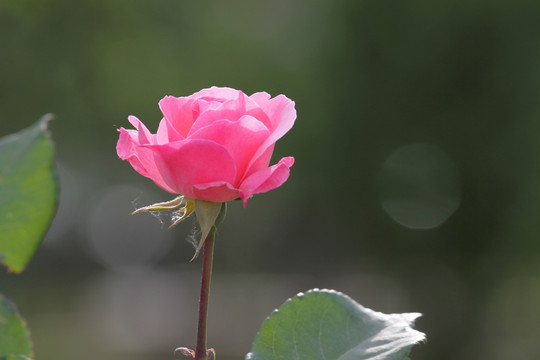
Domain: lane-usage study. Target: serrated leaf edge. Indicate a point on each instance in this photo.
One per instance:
(409, 317)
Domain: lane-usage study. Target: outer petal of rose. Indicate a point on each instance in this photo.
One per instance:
(145, 136)
(241, 138)
(266, 179)
(167, 133)
(140, 158)
(278, 109)
(191, 162)
(179, 113)
(252, 108)
(261, 163)
(217, 191)
(260, 97)
(282, 115)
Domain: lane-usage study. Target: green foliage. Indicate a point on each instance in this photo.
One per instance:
(28, 199)
(15, 341)
(325, 324)
(28, 193)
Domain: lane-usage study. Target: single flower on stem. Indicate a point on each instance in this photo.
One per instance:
(211, 147)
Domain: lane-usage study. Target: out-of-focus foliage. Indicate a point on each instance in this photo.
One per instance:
(28, 193)
(28, 198)
(15, 341)
(369, 78)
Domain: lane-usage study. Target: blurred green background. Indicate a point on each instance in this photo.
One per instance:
(416, 185)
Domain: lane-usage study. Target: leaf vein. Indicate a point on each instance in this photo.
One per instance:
(320, 331)
(274, 339)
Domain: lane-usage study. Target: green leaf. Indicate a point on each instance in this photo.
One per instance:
(14, 357)
(15, 341)
(28, 193)
(325, 324)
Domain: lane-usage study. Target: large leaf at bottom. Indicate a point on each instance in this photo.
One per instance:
(28, 193)
(328, 325)
(15, 341)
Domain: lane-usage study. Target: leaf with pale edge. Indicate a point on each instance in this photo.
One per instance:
(28, 193)
(328, 325)
(15, 341)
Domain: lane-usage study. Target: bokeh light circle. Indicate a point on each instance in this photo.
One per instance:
(419, 186)
(121, 241)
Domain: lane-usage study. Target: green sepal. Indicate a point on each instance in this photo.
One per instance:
(209, 215)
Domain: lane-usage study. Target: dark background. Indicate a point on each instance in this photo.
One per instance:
(415, 188)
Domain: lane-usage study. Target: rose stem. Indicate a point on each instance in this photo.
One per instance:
(200, 351)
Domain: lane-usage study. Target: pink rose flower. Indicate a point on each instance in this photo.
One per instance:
(214, 145)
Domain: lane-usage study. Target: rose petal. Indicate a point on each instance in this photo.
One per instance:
(282, 115)
(167, 133)
(184, 164)
(220, 94)
(145, 136)
(230, 110)
(199, 106)
(266, 179)
(241, 138)
(281, 112)
(262, 162)
(217, 191)
(178, 112)
(252, 108)
(140, 158)
(260, 97)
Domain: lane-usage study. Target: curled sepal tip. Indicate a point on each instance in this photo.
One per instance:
(184, 212)
(185, 208)
(163, 206)
(209, 215)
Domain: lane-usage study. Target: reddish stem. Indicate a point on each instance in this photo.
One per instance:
(200, 351)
